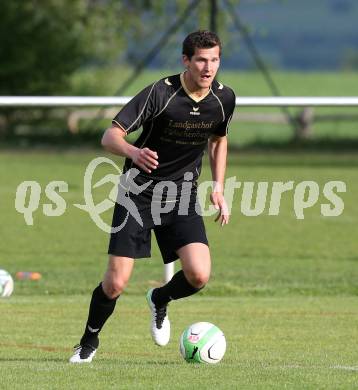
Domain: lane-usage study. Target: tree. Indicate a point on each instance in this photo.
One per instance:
(40, 45)
(42, 42)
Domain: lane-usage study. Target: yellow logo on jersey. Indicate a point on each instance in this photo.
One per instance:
(167, 82)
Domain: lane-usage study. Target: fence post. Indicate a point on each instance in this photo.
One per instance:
(304, 120)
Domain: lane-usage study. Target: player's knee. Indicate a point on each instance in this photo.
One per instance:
(114, 288)
(198, 279)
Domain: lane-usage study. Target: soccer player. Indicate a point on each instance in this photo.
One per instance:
(181, 115)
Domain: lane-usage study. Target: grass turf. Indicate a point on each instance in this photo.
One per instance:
(40, 129)
(264, 255)
(105, 81)
(283, 290)
(273, 343)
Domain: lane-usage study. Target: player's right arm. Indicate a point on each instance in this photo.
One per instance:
(113, 141)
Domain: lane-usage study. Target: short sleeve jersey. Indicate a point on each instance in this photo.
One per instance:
(176, 124)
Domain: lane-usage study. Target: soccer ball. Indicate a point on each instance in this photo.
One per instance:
(202, 342)
(6, 284)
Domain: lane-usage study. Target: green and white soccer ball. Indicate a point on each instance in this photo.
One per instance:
(6, 284)
(202, 342)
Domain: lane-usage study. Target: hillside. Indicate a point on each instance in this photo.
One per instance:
(306, 34)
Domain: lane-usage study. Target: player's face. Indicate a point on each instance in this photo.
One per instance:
(202, 67)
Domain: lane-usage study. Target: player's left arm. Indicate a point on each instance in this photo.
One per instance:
(217, 151)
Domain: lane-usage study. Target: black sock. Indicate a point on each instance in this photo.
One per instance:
(178, 287)
(101, 307)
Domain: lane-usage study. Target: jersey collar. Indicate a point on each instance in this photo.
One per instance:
(190, 94)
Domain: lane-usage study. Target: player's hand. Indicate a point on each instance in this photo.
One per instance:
(145, 159)
(219, 202)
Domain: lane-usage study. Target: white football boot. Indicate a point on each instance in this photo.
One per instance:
(160, 325)
(83, 354)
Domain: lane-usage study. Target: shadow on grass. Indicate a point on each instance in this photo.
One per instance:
(51, 141)
(93, 138)
(310, 153)
(331, 145)
(33, 359)
(315, 152)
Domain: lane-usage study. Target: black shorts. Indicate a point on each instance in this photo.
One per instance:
(173, 232)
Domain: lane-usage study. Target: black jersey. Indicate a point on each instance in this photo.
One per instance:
(176, 124)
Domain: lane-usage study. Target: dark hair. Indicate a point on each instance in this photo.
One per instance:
(201, 39)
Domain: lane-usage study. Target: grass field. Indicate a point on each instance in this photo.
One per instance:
(273, 343)
(285, 291)
(107, 81)
(50, 126)
(32, 127)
